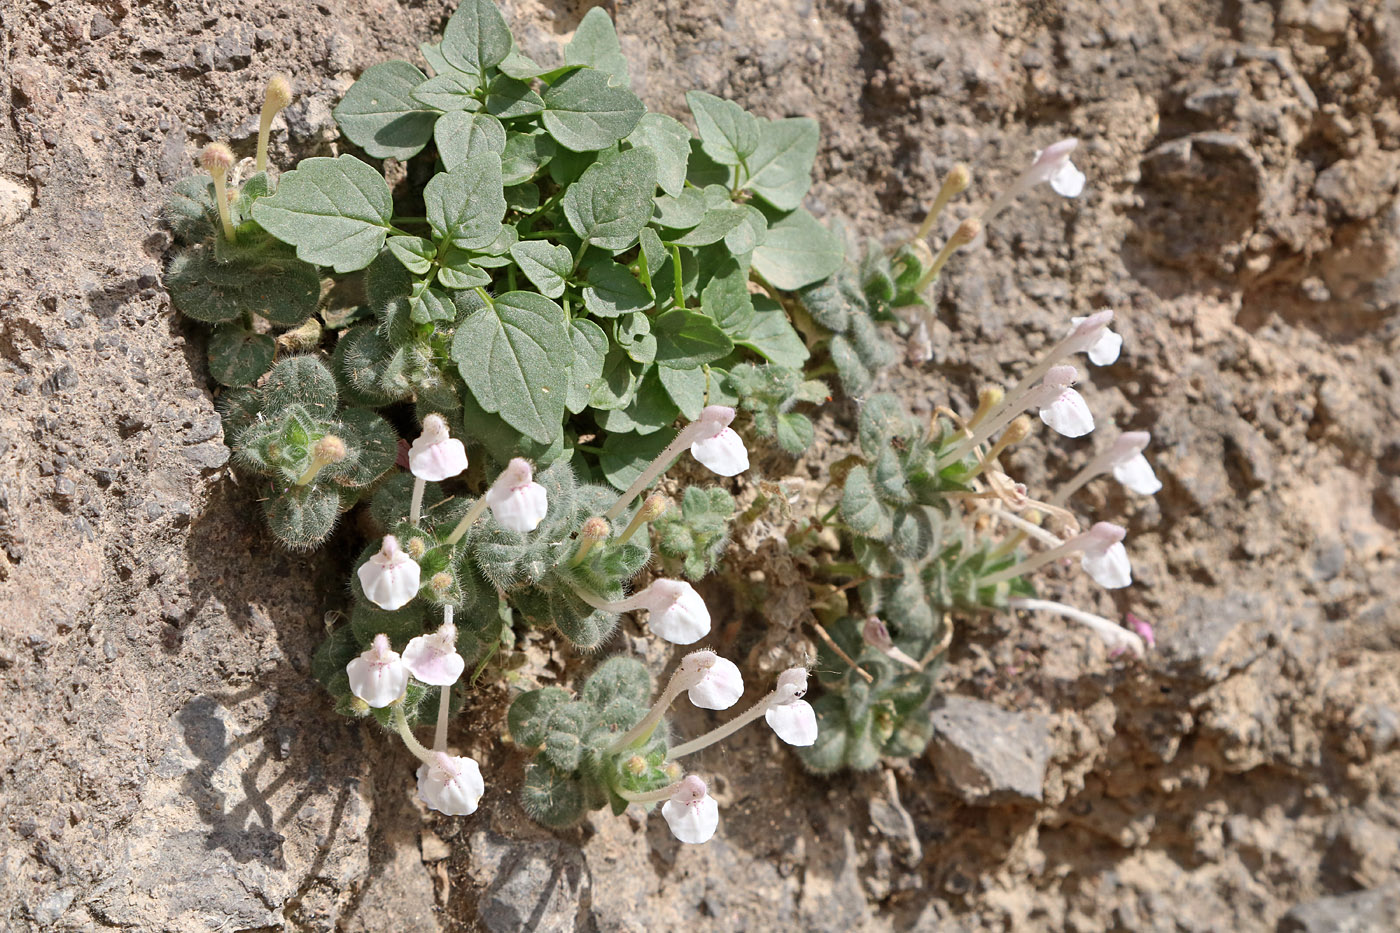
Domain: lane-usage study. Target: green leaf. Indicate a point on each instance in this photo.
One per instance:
(449, 90)
(416, 253)
(528, 715)
(669, 141)
(681, 212)
(432, 54)
(467, 204)
(686, 388)
(611, 202)
(238, 357)
(780, 171)
(795, 433)
(650, 411)
(476, 37)
(584, 112)
(772, 336)
(702, 171)
(713, 227)
(280, 288)
(432, 305)
(459, 272)
(619, 382)
(515, 356)
(544, 264)
(508, 98)
(462, 137)
(379, 114)
(749, 235)
(334, 211)
(613, 290)
(625, 456)
(633, 333)
(590, 350)
(726, 300)
(729, 134)
(861, 507)
(595, 44)
(525, 154)
(685, 339)
(797, 251)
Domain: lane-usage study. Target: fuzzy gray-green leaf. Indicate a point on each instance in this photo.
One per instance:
(584, 112)
(379, 114)
(611, 202)
(334, 211)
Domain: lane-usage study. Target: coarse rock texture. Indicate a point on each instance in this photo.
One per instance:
(167, 764)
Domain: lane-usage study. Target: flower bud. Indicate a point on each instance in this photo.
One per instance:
(217, 159)
(417, 547)
(451, 785)
(278, 94)
(378, 677)
(877, 634)
(595, 529)
(329, 449)
(441, 583)
(959, 177)
(435, 456)
(518, 503)
(1143, 629)
(1017, 431)
(654, 507)
(433, 659)
(390, 578)
(692, 813)
(636, 766)
(967, 231)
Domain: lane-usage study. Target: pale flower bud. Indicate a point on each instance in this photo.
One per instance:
(720, 685)
(1103, 351)
(877, 634)
(379, 676)
(595, 528)
(217, 159)
(1103, 556)
(278, 94)
(435, 456)
(692, 813)
(677, 613)
(1143, 629)
(451, 785)
(518, 503)
(329, 449)
(390, 578)
(1052, 164)
(433, 659)
(718, 447)
(791, 717)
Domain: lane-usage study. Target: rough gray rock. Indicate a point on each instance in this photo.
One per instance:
(1363, 912)
(987, 754)
(529, 886)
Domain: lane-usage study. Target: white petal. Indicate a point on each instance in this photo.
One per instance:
(428, 661)
(685, 621)
(721, 687)
(1069, 414)
(437, 462)
(390, 584)
(377, 679)
(1105, 351)
(1138, 476)
(795, 722)
(1067, 180)
(723, 454)
(451, 785)
(693, 822)
(1110, 570)
(520, 509)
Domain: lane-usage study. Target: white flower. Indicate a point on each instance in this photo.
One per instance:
(390, 578)
(1136, 473)
(790, 716)
(717, 447)
(451, 785)
(517, 501)
(1064, 410)
(720, 685)
(1106, 347)
(691, 812)
(1052, 164)
(435, 456)
(433, 659)
(677, 613)
(378, 676)
(1104, 558)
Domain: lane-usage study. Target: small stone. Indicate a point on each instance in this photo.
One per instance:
(988, 754)
(207, 456)
(15, 201)
(63, 487)
(434, 849)
(101, 27)
(1363, 912)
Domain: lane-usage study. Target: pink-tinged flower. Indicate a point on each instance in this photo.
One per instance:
(717, 447)
(518, 503)
(691, 812)
(1129, 466)
(1143, 628)
(390, 578)
(378, 676)
(720, 685)
(433, 659)
(451, 785)
(677, 613)
(1103, 556)
(1062, 408)
(1052, 165)
(435, 456)
(1106, 347)
(790, 716)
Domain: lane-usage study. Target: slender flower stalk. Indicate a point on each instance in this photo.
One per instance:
(1128, 446)
(712, 424)
(1018, 430)
(277, 96)
(877, 636)
(444, 696)
(1115, 636)
(648, 796)
(792, 685)
(1051, 165)
(1101, 551)
(409, 739)
(1088, 332)
(328, 450)
(691, 671)
(1006, 411)
(955, 184)
(467, 521)
(217, 159)
(967, 231)
(650, 511)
